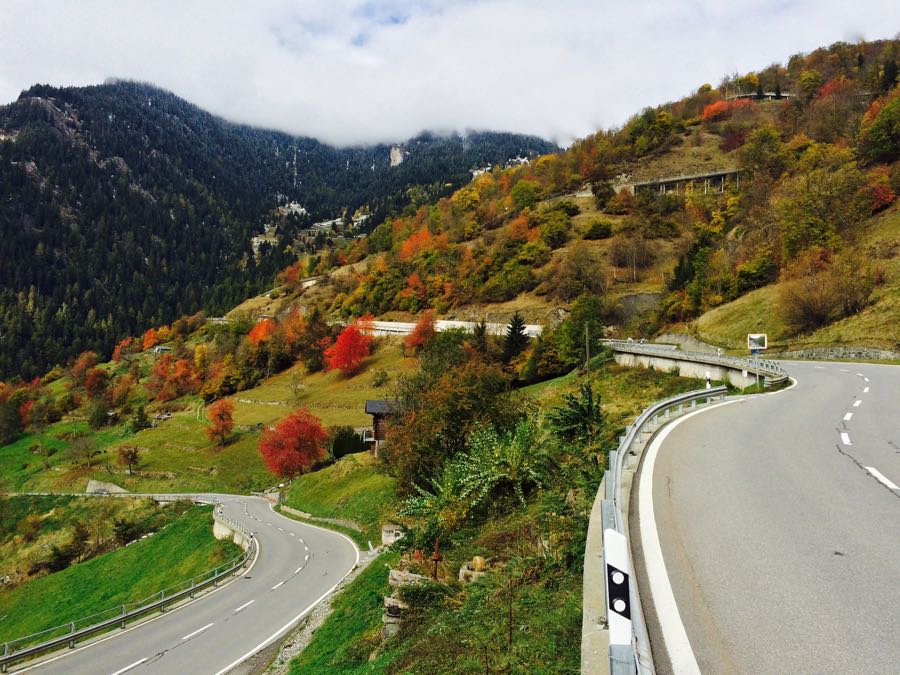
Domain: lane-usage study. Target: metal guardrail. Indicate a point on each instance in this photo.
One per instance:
(638, 659)
(771, 370)
(72, 632)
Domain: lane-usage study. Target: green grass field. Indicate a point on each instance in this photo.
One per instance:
(335, 399)
(30, 525)
(181, 550)
(352, 488)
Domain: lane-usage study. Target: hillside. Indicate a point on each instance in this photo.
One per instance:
(809, 153)
(125, 207)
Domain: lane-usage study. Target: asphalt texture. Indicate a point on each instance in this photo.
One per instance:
(781, 545)
(297, 566)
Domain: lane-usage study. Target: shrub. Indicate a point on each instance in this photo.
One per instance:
(344, 441)
(598, 229)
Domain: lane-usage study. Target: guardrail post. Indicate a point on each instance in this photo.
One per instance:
(192, 588)
(72, 631)
(610, 472)
(122, 624)
(621, 660)
(162, 596)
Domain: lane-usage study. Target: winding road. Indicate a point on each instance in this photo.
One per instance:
(297, 566)
(767, 529)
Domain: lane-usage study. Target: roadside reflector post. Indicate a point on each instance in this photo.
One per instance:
(618, 601)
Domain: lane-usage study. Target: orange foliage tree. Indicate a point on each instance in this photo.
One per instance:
(84, 362)
(348, 351)
(262, 331)
(123, 349)
(220, 419)
(150, 339)
(294, 445)
(422, 333)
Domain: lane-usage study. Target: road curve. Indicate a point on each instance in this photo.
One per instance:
(298, 565)
(778, 520)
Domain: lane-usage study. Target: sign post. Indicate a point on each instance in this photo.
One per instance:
(756, 342)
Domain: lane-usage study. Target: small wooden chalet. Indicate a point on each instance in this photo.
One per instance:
(380, 411)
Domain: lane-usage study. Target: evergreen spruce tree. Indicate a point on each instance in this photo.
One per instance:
(139, 420)
(516, 339)
(480, 338)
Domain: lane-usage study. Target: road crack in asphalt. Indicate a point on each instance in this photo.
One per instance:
(866, 471)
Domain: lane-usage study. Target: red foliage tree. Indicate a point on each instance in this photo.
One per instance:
(25, 413)
(262, 331)
(348, 351)
(294, 445)
(95, 382)
(221, 422)
(422, 333)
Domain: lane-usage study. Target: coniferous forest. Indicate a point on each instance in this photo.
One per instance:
(123, 206)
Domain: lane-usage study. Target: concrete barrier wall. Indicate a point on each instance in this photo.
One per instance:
(223, 530)
(687, 368)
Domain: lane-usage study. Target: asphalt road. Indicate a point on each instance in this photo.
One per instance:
(778, 519)
(297, 566)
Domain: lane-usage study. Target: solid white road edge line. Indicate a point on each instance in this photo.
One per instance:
(198, 631)
(678, 646)
(169, 612)
(845, 438)
(285, 628)
(133, 665)
(848, 416)
(244, 606)
(882, 478)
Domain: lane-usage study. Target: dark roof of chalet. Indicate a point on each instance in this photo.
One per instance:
(378, 407)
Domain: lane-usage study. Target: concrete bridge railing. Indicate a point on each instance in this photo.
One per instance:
(738, 372)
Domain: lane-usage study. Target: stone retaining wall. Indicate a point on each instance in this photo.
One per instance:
(831, 353)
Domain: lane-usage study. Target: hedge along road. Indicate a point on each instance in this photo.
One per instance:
(298, 565)
(778, 522)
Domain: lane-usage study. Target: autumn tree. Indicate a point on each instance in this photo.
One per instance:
(84, 362)
(129, 455)
(96, 381)
(123, 349)
(263, 330)
(421, 334)
(348, 351)
(295, 445)
(150, 339)
(221, 422)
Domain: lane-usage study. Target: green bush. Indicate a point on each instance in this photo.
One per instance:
(598, 229)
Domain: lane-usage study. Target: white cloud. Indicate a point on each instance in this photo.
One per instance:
(350, 71)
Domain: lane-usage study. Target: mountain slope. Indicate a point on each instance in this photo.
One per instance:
(123, 206)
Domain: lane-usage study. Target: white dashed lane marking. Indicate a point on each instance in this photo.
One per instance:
(857, 403)
(866, 390)
(845, 438)
(277, 585)
(847, 417)
(127, 668)
(197, 632)
(244, 606)
(882, 478)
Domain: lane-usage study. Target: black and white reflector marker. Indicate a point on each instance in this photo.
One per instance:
(618, 593)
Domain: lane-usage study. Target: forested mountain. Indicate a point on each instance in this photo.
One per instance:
(123, 206)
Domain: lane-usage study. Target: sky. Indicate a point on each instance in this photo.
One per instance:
(352, 72)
